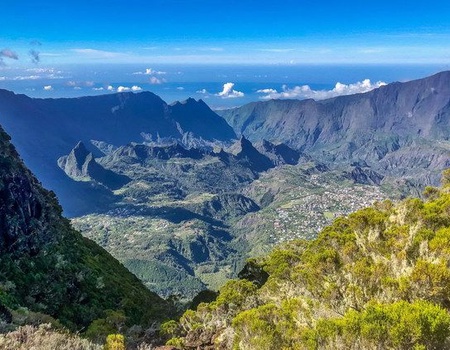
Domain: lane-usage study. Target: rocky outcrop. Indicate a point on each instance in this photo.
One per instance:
(226, 206)
(244, 150)
(365, 176)
(80, 165)
(278, 153)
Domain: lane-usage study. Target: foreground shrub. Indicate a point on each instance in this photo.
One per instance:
(43, 338)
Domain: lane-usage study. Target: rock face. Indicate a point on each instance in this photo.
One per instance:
(278, 153)
(48, 266)
(365, 176)
(76, 163)
(25, 211)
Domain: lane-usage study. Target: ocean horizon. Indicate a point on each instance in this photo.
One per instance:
(220, 86)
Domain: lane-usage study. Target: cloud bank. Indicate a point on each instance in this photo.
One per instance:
(305, 91)
(121, 88)
(134, 88)
(229, 92)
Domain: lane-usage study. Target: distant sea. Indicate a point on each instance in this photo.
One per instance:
(174, 83)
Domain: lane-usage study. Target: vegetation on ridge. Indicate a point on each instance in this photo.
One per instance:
(49, 273)
(377, 278)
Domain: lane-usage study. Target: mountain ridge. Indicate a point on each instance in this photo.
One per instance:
(365, 126)
(43, 130)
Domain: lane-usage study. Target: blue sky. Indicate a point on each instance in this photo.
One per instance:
(232, 31)
(227, 52)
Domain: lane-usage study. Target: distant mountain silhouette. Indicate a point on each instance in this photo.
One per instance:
(46, 129)
(402, 129)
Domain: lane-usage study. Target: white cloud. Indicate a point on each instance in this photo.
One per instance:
(180, 88)
(110, 88)
(267, 91)
(229, 92)
(305, 91)
(38, 73)
(44, 70)
(123, 89)
(134, 88)
(48, 88)
(98, 89)
(156, 81)
(99, 54)
(28, 77)
(150, 71)
(202, 91)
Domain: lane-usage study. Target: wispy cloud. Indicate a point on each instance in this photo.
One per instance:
(305, 91)
(25, 77)
(229, 92)
(276, 50)
(150, 71)
(212, 49)
(156, 81)
(38, 73)
(99, 54)
(77, 85)
(7, 53)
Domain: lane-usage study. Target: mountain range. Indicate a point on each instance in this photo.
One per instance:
(43, 130)
(400, 128)
(180, 193)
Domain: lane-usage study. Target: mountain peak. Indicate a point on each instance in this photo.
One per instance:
(79, 153)
(243, 149)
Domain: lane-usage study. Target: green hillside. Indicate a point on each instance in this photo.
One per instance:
(377, 279)
(49, 271)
